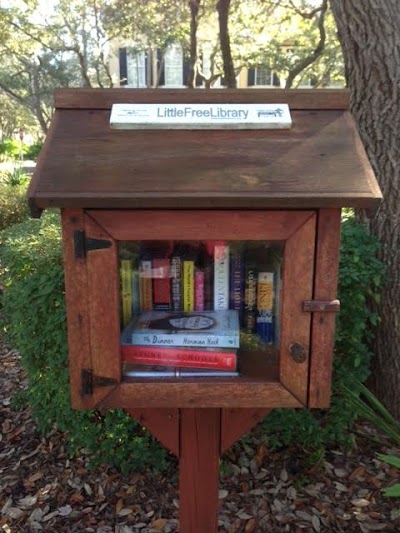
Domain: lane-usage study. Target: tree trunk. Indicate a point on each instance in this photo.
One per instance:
(369, 33)
(194, 6)
(223, 18)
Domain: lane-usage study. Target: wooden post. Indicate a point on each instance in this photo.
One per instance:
(200, 435)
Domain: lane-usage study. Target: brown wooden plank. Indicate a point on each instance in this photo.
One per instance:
(295, 324)
(298, 99)
(103, 296)
(215, 393)
(318, 162)
(323, 324)
(237, 422)
(76, 297)
(162, 423)
(189, 225)
(199, 470)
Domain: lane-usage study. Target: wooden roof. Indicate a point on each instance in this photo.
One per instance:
(319, 162)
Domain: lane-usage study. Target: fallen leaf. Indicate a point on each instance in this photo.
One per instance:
(250, 526)
(160, 523)
(66, 510)
(222, 494)
(125, 512)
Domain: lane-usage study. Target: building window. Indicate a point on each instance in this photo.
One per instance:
(266, 77)
(136, 66)
(173, 65)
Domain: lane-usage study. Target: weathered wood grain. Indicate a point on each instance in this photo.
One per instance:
(77, 304)
(323, 324)
(199, 470)
(189, 225)
(163, 423)
(298, 99)
(193, 393)
(295, 324)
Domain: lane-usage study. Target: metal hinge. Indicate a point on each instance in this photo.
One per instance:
(83, 244)
(90, 381)
(321, 306)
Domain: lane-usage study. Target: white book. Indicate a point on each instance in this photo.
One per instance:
(221, 277)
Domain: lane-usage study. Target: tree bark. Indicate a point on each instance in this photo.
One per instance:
(194, 6)
(223, 18)
(369, 33)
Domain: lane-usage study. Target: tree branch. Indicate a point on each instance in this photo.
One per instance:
(317, 52)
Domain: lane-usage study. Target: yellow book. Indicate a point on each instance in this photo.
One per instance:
(188, 286)
(126, 290)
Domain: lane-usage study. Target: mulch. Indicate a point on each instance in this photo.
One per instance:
(43, 489)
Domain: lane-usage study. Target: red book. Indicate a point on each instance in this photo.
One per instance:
(161, 284)
(179, 357)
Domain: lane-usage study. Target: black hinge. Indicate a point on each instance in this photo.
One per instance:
(90, 381)
(83, 244)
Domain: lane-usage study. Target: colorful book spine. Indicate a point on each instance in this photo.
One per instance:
(236, 284)
(208, 270)
(176, 283)
(199, 290)
(194, 340)
(146, 286)
(265, 301)
(188, 285)
(221, 277)
(161, 284)
(179, 357)
(126, 290)
(250, 300)
(135, 293)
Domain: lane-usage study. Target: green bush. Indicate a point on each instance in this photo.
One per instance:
(11, 149)
(33, 150)
(13, 205)
(34, 322)
(360, 276)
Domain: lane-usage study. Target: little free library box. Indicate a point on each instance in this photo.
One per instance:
(201, 259)
(201, 234)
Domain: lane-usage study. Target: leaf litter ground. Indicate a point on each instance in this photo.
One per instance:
(42, 489)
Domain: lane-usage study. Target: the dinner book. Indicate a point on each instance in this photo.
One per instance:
(202, 329)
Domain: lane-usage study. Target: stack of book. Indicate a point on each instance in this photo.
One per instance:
(200, 277)
(187, 344)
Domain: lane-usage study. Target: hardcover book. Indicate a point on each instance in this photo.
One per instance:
(188, 285)
(126, 290)
(236, 283)
(161, 284)
(176, 283)
(160, 372)
(146, 286)
(179, 357)
(205, 329)
(250, 299)
(199, 290)
(221, 277)
(265, 301)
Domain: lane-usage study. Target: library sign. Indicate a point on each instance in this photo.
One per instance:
(200, 116)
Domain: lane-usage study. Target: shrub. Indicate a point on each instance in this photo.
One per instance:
(34, 311)
(33, 150)
(359, 281)
(13, 205)
(11, 149)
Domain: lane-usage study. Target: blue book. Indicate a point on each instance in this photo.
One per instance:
(202, 329)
